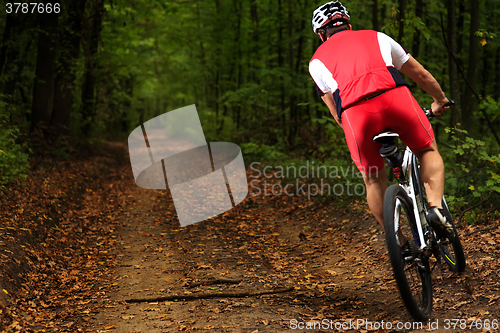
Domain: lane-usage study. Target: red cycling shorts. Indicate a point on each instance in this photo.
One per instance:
(397, 110)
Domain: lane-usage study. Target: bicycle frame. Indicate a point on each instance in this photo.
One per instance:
(408, 168)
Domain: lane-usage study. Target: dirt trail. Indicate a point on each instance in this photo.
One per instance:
(93, 240)
(334, 259)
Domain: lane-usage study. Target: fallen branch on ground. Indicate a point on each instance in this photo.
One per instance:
(483, 230)
(206, 296)
(211, 282)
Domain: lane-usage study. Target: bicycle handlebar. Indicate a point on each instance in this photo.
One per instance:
(430, 115)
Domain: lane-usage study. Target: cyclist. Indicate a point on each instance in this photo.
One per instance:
(356, 73)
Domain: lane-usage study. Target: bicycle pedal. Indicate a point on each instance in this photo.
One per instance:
(420, 264)
(444, 241)
(408, 258)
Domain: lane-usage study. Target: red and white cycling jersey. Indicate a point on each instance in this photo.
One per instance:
(356, 64)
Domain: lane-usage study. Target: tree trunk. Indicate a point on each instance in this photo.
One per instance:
(255, 40)
(401, 20)
(468, 96)
(496, 86)
(485, 77)
(375, 12)
(15, 64)
(9, 22)
(460, 27)
(383, 12)
(456, 116)
(419, 10)
(237, 40)
(44, 74)
(218, 74)
(13, 55)
(70, 51)
(90, 74)
(292, 110)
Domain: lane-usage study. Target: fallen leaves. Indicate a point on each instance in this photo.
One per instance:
(258, 244)
(150, 309)
(59, 240)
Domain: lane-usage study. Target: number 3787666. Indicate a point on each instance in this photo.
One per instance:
(32, 8)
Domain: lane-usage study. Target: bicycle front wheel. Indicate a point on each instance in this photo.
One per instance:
(410, 267)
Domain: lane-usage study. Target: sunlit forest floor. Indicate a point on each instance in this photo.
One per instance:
(83, 249)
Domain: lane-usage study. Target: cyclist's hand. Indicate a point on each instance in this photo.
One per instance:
(439, 106)
(339, 122)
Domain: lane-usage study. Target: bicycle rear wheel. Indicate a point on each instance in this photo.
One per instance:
(453, 254)
(410, 267)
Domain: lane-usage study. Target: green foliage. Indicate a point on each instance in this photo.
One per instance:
(335, 146)
(13, 157)
(474, 174)
(490, 106)
(485, 36)
(245, 66)
(253, 152)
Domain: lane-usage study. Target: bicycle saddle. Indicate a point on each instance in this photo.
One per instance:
(386, 138)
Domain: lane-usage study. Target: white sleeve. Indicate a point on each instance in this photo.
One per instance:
(393, 53)
(322, 76)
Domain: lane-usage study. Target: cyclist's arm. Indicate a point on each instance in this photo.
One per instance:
(325, 84)
(329, 101)
(415, 71)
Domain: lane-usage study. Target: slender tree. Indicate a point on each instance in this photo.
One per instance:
(45, 63)
(375, 13)
(90, 76)
(401, 18)
(452, 62)
(468, 95)
(419, 10)
(66, 74)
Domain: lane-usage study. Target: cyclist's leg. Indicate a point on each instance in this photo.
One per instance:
(432, 173)
(376, 184)
(432, 177)
(361, 123)
(409, 121)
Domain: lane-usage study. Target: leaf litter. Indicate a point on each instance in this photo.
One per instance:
(79, 238)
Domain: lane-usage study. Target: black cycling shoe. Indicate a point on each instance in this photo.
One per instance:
(440, 224)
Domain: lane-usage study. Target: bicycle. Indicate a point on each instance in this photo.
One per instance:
(405, 213)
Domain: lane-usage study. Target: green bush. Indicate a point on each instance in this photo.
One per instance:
(335, 147)
(475, 172)
(13, 157)
(261, 152)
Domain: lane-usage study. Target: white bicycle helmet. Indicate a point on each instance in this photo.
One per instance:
(329, 12)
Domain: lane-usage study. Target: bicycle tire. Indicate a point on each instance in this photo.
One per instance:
(413, 276)
(455, 260)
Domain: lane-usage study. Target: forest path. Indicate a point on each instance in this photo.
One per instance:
(334, 259)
